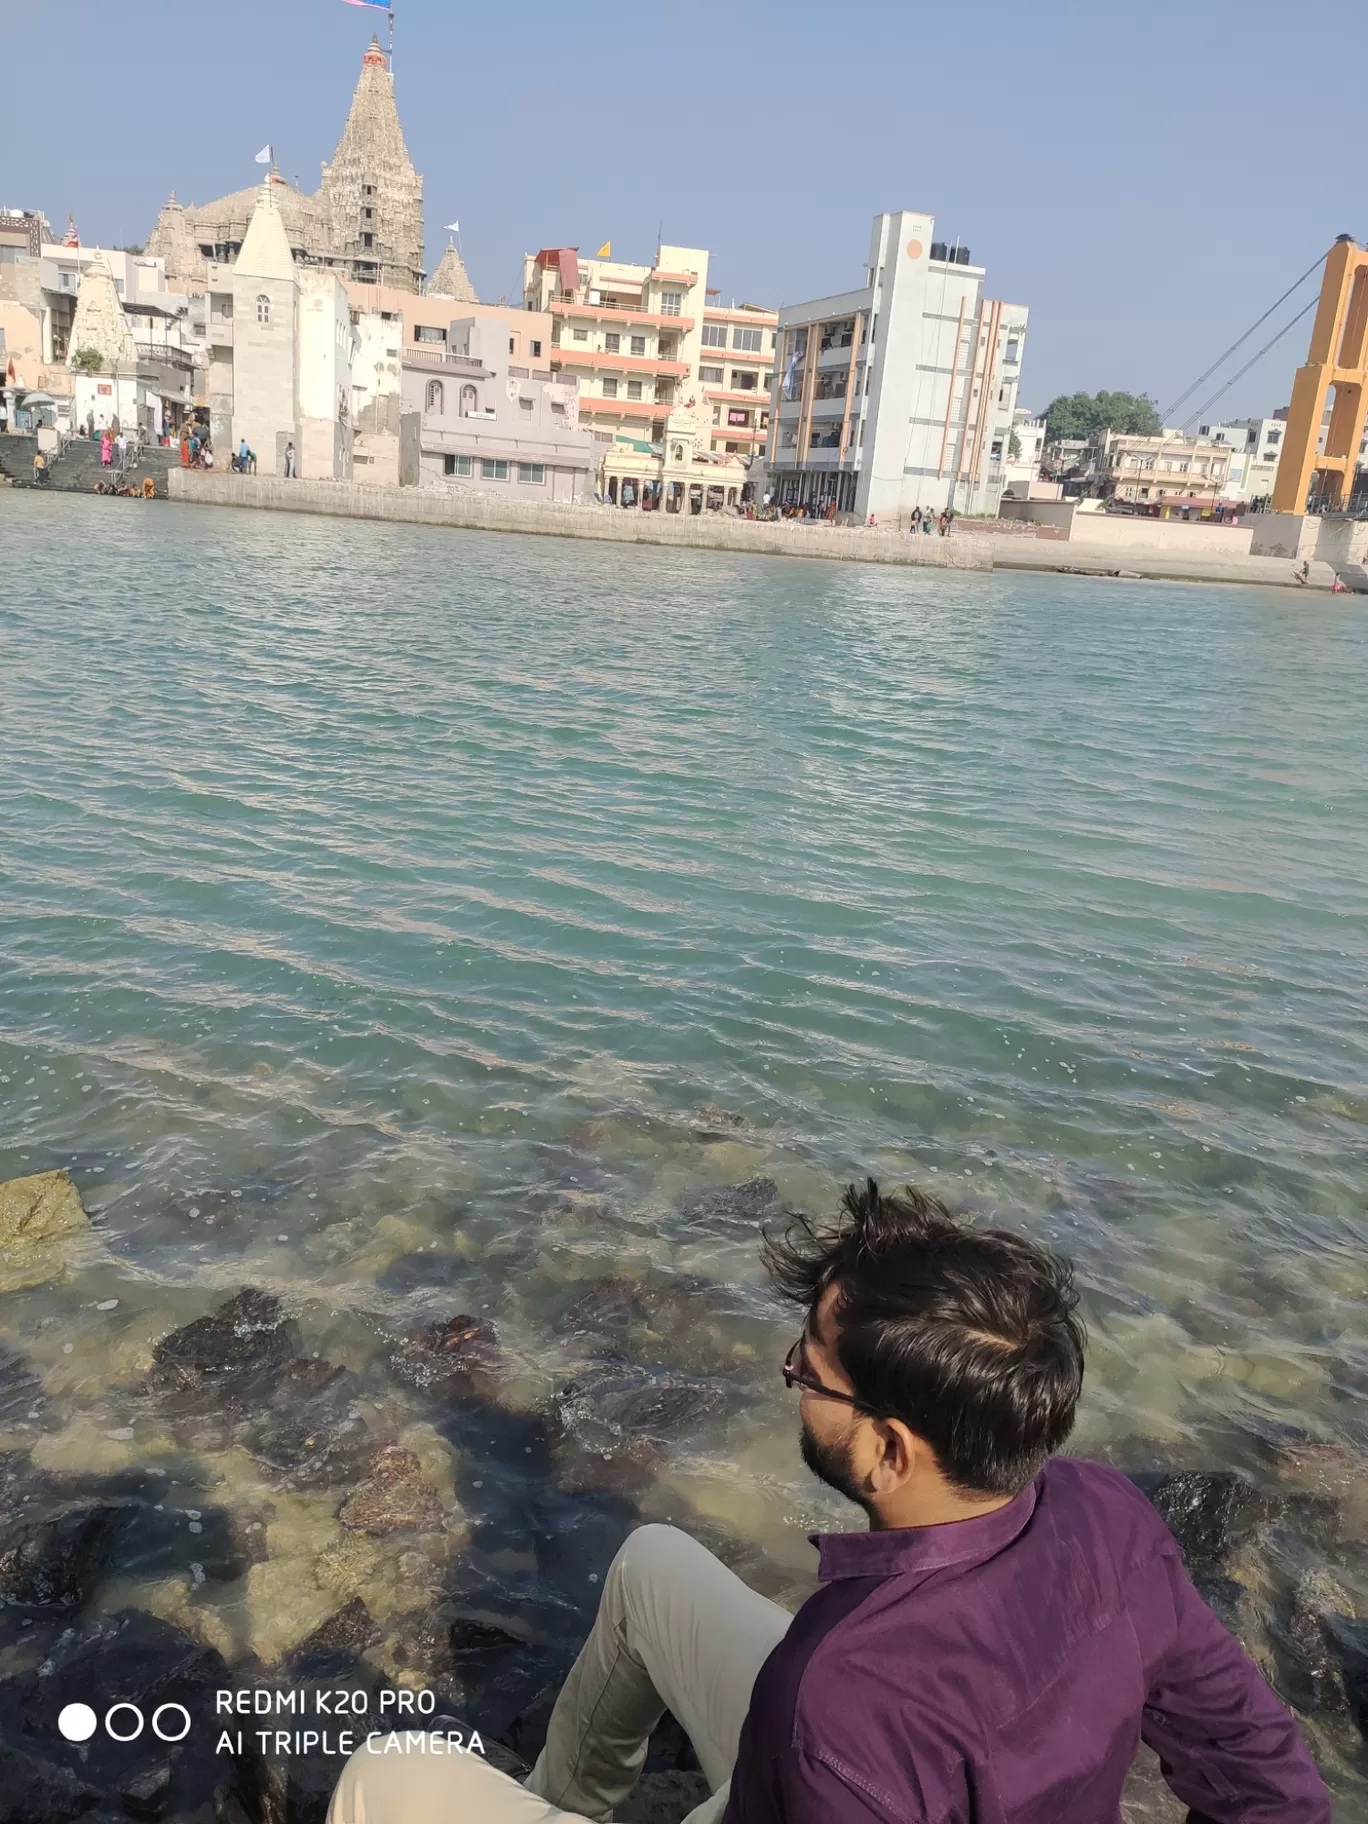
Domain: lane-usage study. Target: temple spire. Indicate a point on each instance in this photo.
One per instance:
(371, 193)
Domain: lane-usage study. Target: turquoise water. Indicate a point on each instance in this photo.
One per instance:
(377, 891)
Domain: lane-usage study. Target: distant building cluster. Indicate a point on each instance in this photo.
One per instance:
(304, 329)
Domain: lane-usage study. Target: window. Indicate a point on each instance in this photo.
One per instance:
(580, 335)
(368, 189)
(634, 389)
(435, 399)
(456, 465)
(737, 414)
(743, 382)
(717, 414)
(367, 215)
(536, 348)
(638, 345)
(1273, 437)
(1013, 350)
(525, 405)
(996, 451)
(368, 240)
(670, 302)
(769, 382)
(263, 309)
(612, 341)
(424, 332)
(492, 470)
(610, 389)
(711, 376)
(511, 348)
(714, 335)
(748, 339)
(535, 472)
(470, 400)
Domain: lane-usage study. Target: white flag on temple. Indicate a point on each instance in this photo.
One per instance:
(264, 156)
(451, 228)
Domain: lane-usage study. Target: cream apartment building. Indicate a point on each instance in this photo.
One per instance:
(1168, 471)
(644, 341)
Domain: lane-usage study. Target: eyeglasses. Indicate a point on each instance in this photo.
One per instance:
(795, 1376)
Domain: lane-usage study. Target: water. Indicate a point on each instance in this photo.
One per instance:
(417, 923)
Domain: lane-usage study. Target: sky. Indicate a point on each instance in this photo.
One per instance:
(1146, 180)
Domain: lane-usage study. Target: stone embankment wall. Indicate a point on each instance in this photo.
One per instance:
(490, 513)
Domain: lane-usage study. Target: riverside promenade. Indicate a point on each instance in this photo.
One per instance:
(476, 512)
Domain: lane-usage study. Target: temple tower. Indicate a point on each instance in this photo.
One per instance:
(371, 197)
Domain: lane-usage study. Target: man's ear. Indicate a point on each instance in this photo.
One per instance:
(898, 1451)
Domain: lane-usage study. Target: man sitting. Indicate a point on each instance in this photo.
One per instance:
(992, 1650)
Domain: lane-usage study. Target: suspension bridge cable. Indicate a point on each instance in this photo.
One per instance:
(1253, 361)
(1221, 361)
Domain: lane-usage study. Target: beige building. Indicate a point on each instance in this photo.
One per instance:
(1171, 471)
(364, 222)
(736, 373)
(672, 386)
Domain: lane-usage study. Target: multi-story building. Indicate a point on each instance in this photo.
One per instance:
(1255, 445)
(736, 375)
(1023, 459)
(451, 392)
(901, 393)
(1170, 471)
(676, 388)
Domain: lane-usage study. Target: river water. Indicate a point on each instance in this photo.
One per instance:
(415, 923)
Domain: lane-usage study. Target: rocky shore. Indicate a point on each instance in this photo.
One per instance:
(423, 1517)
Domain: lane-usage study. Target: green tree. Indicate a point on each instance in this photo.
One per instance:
(88, 361)
(1082, 415)
(1014, 448)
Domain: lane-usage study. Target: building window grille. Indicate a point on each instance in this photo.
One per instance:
(536, 348)
(435, 396)
(711, 376)
(714, 335)
(747, 339)
(492, 470)
(534, 472)
(610, 389)
(670, 302)
(424, 332)
(263, 309)
(456, 465)
(612, 341)
(638, 345)
(580, 335)
(634, 389)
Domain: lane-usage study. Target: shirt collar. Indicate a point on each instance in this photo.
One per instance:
(915, 1549)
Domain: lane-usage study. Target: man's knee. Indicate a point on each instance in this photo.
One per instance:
(654, 1558)
(420, 1787)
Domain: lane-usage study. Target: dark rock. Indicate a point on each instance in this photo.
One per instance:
(755, 1201)
(467, 1635)
(22, 1483)
(1230, 1602)
(1314, 1681)
(709, 1115)
(148, 1793)
(147, 1663)
(1349, 1642)
(663, 1798)
(335, 1644)
(152, 1544)
(427, 1267)
(36, 1792)
(238, 1352)
(457, 1359)
(394, 1495)
(618, 1404)
(1209, 1513)
(57, 1563)
(314, 1433)
(22, 1401)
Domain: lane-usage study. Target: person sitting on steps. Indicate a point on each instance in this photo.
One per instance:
(992, 1650)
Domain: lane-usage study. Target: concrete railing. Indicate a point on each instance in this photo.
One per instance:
(493, 513)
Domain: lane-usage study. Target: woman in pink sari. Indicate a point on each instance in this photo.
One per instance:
(106, 449)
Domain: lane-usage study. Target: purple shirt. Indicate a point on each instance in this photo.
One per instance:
(1004, 1670)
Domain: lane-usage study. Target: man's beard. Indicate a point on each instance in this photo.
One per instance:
(830, 1463)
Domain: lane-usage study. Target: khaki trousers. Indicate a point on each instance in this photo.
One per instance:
(675, 1630)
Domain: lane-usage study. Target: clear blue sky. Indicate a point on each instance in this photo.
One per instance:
(1145, 179)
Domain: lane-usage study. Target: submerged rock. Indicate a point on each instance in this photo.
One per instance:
(456, 1359)
(756, 1201)
(393, 1495)
(617, 1421)
(23, 1404)
(313, 1434)
(1316, 1681)
(234, 1355)
(1209, 1513)
(36, 1792)
(39, 1217)
(57, 1563)
(335, 1644)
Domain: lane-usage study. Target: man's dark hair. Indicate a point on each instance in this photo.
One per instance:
(970, 1336)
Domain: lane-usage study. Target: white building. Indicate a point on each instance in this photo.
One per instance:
(1256, 445)
(1022, 459)
(899, 394)
(281, 351)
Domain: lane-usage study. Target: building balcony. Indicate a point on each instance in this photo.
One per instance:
(753, 397)
(428, 356)
(625, 408)
(621, 364)
(163, 355)
(613, 317)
